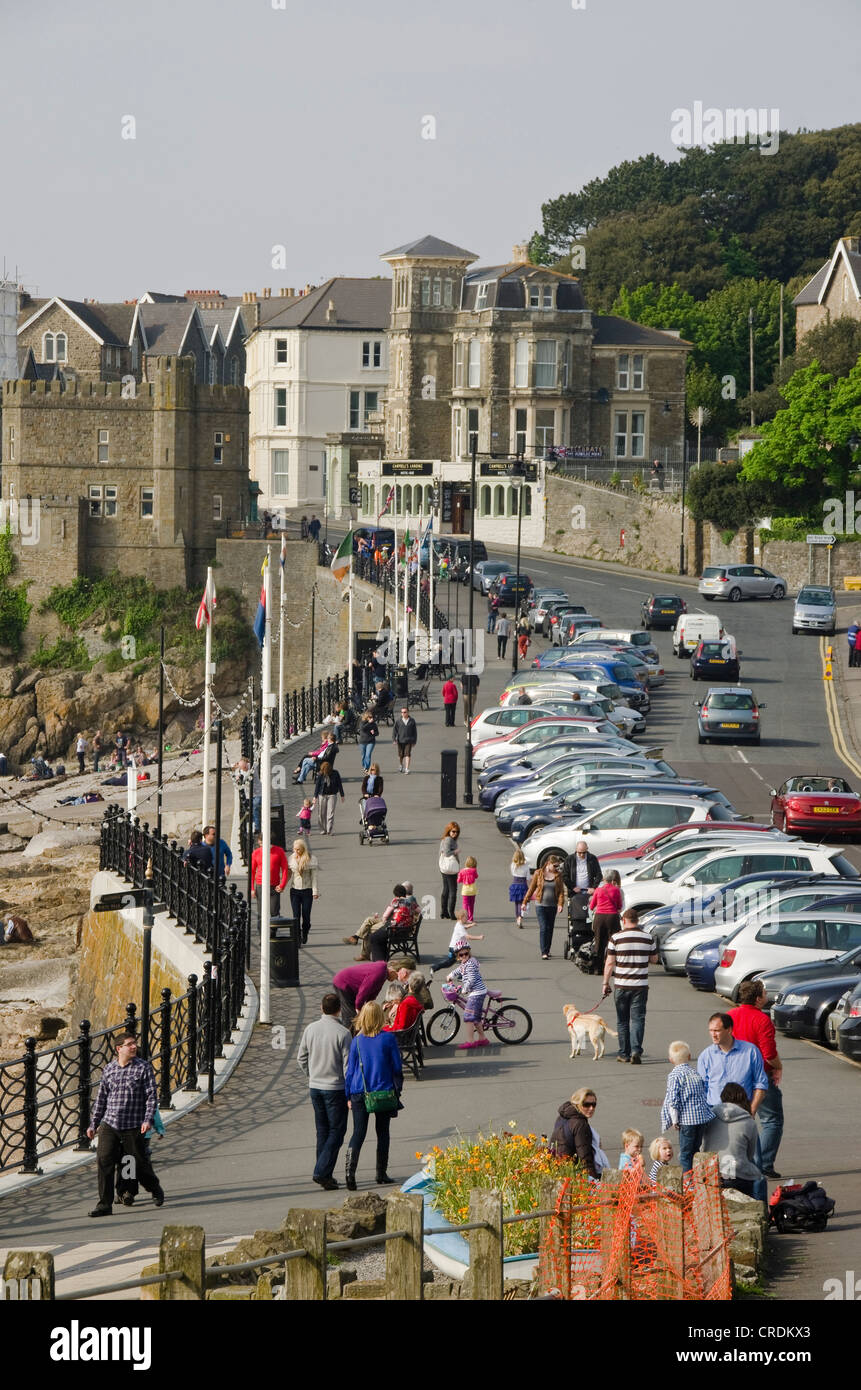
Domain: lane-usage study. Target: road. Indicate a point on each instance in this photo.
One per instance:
(242, 1164)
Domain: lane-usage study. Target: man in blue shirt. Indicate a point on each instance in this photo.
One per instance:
(225, 855)
(728, 1059)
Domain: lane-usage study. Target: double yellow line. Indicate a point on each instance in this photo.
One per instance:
(834, 718)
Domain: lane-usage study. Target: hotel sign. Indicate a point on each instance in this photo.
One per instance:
(495, 468)
(406, 468)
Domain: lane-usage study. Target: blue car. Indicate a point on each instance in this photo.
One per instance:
(502, 774)
(702, 962)
(609, 669)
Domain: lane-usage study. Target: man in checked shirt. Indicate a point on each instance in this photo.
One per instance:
(122, 1114)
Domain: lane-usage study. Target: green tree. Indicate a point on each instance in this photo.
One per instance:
(805, 449)
(720, 494)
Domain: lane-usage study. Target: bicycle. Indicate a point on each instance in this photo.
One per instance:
(509, 1022)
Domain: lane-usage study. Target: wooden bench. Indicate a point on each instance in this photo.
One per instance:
(410, 1042)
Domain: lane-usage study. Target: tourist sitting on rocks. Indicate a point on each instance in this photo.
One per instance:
(41, 769)
(15, 931)
(4, 765)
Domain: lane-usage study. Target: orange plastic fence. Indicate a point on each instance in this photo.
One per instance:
(641, 1240)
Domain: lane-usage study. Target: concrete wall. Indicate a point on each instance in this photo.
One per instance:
(109, 968)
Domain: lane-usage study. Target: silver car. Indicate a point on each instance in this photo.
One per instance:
(486, 572)
(735, 582)
(815, 610)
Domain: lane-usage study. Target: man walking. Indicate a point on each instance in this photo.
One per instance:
(851, 634)
(122, 1115)
(225, 855)
(492, 609)
(503, 632)
(406, 736)
(581, 874)
(630, 952)
(752, 1024)
(323, 1053)
(356, 984)
(449, 699)
(314, 529)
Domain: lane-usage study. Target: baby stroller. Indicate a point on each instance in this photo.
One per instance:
(372, 815)
(579, 927)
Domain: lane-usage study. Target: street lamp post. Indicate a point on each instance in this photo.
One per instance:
(682, 537)
(518, 474)
(469, 694)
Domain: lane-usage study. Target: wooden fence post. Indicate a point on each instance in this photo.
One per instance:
(713, 1252)
(554, 1243)
(405, 1257)
(485, 1246)
(615, 1264)
(28, 1274)
(671, 1228)
(183, 1248)
(306, 1276)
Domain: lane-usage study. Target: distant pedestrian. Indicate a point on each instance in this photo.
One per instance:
(492, 610)
(605, 905)
(121, 742)
(374, 1067)
(468, 880)
(368, 734)
(449, 867)
(548, 890)
(449, 699)
(522, 640)
(225, 855)
(122, 1115)
(630, 952)
(304, 886)
(98, 749)
(469, 683)
(503, 632)
(327, 789)
(857, 652)
(851, 637)
(517, 886)
(523, 698)
(405, 735)
(324, 1051)
(279, 873)
(81, 751)
(198, 853)
(303, 816)
(303, 528)
(313, 528)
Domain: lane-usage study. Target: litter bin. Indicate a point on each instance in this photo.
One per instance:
(284, 951)
(402, 682)
(448, 778)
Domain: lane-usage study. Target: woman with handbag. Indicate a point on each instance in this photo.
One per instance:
(449, 867)
(374, 1081)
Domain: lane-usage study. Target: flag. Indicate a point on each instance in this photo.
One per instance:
(404, 548)
(283, 555)
(343, 558)
(260, 619)
(389, 501)
(207, 604)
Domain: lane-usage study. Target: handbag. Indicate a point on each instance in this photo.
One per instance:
(377, 1102)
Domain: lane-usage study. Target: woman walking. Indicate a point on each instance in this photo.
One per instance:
(368, 735)
(449, 867)
(605, 905)
(372, 782)
(327, 789)
(374, 1067)
(304, 888)
(81, 750)
(548, 890)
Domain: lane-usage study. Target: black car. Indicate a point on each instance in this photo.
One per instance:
(849, 1032)
(715, 659)
(556, 610)
(513, 589)
(804, 995)
(662, 610)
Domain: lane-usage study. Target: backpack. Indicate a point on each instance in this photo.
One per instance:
(801, 1207)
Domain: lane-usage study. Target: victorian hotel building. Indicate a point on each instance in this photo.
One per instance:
(507, 358)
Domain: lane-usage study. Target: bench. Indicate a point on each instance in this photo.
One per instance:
(410, 1043)
(404, 942)
(420, 696)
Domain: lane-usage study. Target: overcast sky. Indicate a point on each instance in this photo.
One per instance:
(258, 127)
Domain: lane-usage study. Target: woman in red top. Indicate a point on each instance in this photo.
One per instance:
(410, 1006)
(449, 699)
(605, 904)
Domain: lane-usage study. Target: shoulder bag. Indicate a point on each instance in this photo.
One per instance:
(377, 1102)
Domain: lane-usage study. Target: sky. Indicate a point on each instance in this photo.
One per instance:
(250, 128)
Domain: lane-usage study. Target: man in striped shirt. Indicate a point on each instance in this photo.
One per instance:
(629, 954)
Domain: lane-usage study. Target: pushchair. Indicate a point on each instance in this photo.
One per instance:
(372, 816)
(579, 927)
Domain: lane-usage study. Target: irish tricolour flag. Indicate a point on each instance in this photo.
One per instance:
(343, 557)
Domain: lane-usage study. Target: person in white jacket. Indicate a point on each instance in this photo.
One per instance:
(304, 886)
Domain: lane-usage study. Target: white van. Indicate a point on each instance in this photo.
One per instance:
(693, 628)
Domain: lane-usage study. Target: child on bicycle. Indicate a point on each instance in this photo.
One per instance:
(468, 977)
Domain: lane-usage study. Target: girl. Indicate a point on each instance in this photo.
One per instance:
(468, 977)
(517, 886)
(661, 1152)
(304, 818)
(605, 904)
(548, 890)
(459, 934)
(632, 1148)
(467, 878)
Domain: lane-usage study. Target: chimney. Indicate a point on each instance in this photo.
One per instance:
(853, 245)
(307, 289)
(266, 294)
(520, 253)
(331, 316)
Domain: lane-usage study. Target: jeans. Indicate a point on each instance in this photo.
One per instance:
(82, 763)
(690, 1139)
(96, 760)
(256, 804)
(445, 964)
(300, 907)
(631, 1019)
(450, 711)
(274, 901)
(360, 1129)
(330, 1118)
(114, 1144)
(491, 622)
(770, 1122)
(367, 754)
(348, 1004)
(306, 768)
(546, 922)
(449, 895)
(501, 644)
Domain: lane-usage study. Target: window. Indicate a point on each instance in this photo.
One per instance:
(61, 347)
(372, 405)
(527, 500)
(541, 296)
(398, 432)
(544, 429)
(566, 365)
(512, 501)
(802, 935)
(484, 503)
(103, 446)
(499, 501)
(620, 437)
(481, 296)
(614, 818)
(471, 431)
(280, 464)
(545, 362)
(458, 435)
(280, 407)
(216, 506)
(842, 936)
(458, 364)
(426, 291)
(638, 435)
(721, 870)
(11, 443)
(355, 407)
(622, 365)
(520, 431)
(281, 350)
(521, 362)
(48, 347)
(147, 501)
(103, 499)
(372, 353)
(437, 291)
(400, 369)
(637, 372)
(218, 447)
(448, 294)
(474, 362)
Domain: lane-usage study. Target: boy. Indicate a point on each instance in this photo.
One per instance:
(632, 1148)
(685, 1106)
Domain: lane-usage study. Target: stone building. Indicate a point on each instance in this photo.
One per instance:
(834, 292)
(160, 471)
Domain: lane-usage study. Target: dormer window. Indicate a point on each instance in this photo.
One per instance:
(540, 296)
(481, 296)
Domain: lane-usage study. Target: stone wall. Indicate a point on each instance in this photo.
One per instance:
(586, 520)
(791, 560)
(109, 969)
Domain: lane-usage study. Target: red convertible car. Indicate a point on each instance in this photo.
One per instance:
(824, 804)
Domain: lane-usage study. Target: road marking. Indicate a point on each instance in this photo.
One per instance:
(834, 720)
(638, 592)
(748, 763)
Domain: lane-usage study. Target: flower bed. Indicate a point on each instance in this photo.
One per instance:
(515, 1165)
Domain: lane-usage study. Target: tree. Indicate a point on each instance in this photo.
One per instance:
(805, 449)
(719, 493)
(836, 346)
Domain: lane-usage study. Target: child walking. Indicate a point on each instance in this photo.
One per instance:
(517, 886)
(467, 878)
(632, 1148)
(661, 1152)
(459, 934)
(686, 1107)
(304, 818)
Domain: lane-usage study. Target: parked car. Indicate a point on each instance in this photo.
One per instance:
(454, 549)
(488, 572)
(626, 861)
(702, 961)
(513, 589)
(554, 610)
(662, 610)
(729, 714)
(695, 870)
(849, 1028)
(539, 602)
(632, 637)
(712, 659)
(571, 626)
(494, 720)
(736, 582)
(523, 773)
(801, 997)
(808, 802)
(537, 731)
(520, 822)
(618, 826)
(778, 940)
(815, 610)
(589, 664)
(566, 689)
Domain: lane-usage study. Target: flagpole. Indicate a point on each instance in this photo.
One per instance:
(350, 682)
(281, 720)
(266, 795)
(430, 587)
(394, 657)
(207, 699)
(406, 618)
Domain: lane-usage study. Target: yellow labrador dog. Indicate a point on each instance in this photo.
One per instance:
(583, 1026)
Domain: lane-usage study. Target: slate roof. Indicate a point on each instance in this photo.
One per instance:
(432, 248)
(222, 319)
(165, 326)
(611, 331)
(517, 270)
(809, 293)
(359, 304)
